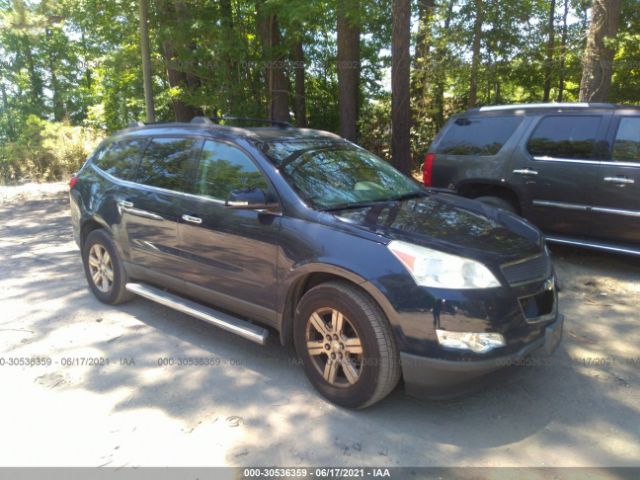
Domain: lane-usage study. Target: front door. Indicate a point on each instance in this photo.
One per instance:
(616, 204)
(232, 253)
(556, 169)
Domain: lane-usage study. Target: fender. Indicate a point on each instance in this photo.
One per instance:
(295, 280)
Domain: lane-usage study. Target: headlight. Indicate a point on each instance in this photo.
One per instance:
(431, 268)
(476, 342)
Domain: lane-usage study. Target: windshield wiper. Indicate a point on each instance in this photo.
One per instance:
(372, 203)
(408, 196)
(354, 205)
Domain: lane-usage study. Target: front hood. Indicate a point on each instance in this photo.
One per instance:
(452, 224)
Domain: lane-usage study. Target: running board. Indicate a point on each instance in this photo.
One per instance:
(219, 319)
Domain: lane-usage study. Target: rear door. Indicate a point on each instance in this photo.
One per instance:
(555, 170)
(231, 253)
(153, 208)
(616, 204)
(117, 166)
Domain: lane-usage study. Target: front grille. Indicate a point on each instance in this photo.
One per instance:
(529, 270)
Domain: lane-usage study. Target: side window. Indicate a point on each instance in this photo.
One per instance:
(121, 158)
(481, 135)
(224, 168)
(626, 148)
(165, 163)
(564, 137)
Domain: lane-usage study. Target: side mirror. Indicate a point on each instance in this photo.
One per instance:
(248, 199)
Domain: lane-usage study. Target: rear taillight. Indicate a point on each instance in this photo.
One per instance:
(427, 169)
(72, 182)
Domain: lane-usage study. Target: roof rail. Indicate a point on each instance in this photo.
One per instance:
(543, 105)
(135, 123)
(277, 123)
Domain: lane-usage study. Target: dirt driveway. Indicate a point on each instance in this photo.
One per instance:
(104, 394)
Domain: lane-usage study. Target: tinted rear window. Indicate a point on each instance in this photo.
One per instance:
(479, 135)
(627, 145)
(165, 162)
(120, 158)
(564, 137)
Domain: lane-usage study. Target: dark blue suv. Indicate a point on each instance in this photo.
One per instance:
(372, 276)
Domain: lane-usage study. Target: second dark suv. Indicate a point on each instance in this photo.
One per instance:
(571, 169)
(370, 275)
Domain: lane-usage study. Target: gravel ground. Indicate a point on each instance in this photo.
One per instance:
(253, 405)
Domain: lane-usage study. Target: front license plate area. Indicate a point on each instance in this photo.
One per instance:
(553, 335)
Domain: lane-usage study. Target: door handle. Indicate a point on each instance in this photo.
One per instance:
(192, 219)
(125, 204)
(525, 171)
(620, 180)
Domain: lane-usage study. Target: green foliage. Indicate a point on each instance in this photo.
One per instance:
(375, 127)
(46, 151)
(626, 75)
(73, 67)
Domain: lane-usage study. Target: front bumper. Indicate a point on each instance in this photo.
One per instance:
(437, 378)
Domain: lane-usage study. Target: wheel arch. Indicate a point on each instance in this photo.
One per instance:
(481, 188)
(89, 225)
(313, 275)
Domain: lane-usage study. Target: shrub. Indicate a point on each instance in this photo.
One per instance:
(46, 151)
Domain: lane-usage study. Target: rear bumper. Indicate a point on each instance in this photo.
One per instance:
(437, 378)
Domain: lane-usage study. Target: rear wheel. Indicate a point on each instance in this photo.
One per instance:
(104, 270)
(346, 345)
(498, 202)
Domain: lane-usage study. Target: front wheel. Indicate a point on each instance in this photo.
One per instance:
(346, 345)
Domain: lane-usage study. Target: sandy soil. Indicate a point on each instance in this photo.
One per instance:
(102, 394)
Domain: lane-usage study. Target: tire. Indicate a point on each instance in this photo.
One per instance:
(498, 202)
(362, 373)
(105, 274)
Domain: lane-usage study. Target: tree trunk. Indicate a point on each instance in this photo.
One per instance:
(598, 58)
(85, 56)
(54, 84)
(440, 58)
(400, 83)
(227, 14)
(475, 59)
(299, 100)
(420, 75)
(423, 39)
(34, 77)
(233, 81)
(548, 68)
(177, 76)
(35, 80)
(11, 133)
(348, 32)
(278, 85)
(146, 60)
(563, 51)
(276, 79)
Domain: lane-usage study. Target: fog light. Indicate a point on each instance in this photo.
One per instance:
(476, 342)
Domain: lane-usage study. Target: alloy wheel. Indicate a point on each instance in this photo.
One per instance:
(335, 347)
(101, 268)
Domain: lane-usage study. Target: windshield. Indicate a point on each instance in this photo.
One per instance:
(343, 176)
